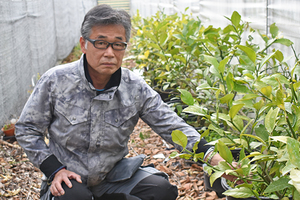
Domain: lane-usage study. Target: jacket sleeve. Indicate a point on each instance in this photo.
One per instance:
(163, 120)
(32, 126)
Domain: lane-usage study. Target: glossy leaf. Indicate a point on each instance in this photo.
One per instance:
(274, 30)
(293, 147)
(270, 119)
(223, 64)
(250, 52)
(235, 18)
(284, 41)
(235, 109)
(230, 81)
(196, 110)
(267, 91)
(163, 39)
(242, 192)
(224, 152)
(262, 132)
(179, 138)
(214, 176)
(227, 98)
(278, 185)
(186, 97)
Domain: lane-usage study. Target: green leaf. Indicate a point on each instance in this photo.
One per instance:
(279, 98)
(234, 110)
(241, 88)
(181, 58)
(274, 30)
(217, 130)
(179, 138)
(150, 36)
(235, 18)
(250, 52)
(155, 46)
(255, 137)
(266, 90)
(227, 98)
(229, 81)
(293, 147)
(238, 122)
(186, 97)
(294, 175)
(185, 156)
(262, 132)
(223, 64)
(224, 152)
(284, 41)
(266, 59)
(279, 56)
(215, 176)
(174, 154)
(242, 192)
(280, 184)
(270, 119)
(198, 156)
(163, 39)
(196, 110)
(195, 147)
(212, 60)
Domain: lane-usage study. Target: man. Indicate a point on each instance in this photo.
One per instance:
(89, 108)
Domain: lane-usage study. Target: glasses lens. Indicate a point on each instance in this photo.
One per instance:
(100, 44)
(119, 45)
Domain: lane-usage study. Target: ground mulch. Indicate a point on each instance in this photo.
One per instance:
(19, 179)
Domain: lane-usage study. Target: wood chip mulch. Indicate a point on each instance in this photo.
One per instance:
(19, 179)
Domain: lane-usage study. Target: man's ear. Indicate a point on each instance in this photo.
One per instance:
(82, 44)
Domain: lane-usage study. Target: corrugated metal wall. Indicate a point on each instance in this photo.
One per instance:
(123, 4)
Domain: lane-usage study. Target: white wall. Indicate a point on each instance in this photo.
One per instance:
(35, 34)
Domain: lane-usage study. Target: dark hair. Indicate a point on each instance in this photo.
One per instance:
(105, 15)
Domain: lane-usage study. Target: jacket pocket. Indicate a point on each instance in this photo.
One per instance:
(71, 112)
(120, 116)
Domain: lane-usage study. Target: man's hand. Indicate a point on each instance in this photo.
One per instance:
(216, 159)
(61, 176)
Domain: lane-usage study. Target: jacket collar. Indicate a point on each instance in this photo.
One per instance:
(114, 81)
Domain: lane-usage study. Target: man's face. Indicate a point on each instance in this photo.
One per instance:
(104, 61)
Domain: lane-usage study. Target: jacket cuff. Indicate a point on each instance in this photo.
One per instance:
(202, 146)
(50, 166)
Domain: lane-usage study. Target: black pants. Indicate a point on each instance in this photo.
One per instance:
(153, 187)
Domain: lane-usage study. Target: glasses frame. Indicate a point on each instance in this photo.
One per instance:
(109, 44)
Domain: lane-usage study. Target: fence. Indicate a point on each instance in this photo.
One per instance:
(35, 34)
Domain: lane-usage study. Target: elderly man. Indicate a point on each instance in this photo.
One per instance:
(89, 108)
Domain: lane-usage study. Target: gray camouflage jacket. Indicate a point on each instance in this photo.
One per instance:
(89, 132)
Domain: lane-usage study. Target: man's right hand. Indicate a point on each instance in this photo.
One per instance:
(61, 176)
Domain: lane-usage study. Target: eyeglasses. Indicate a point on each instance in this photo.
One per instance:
(102, 44)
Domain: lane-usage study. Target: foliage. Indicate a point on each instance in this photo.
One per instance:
(164, 46)
(246, 93)
(74, 55)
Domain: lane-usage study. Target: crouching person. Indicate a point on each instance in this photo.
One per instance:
(89, 108)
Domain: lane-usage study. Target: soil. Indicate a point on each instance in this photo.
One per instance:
(19, 179)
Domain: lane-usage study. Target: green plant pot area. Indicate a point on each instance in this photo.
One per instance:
(243, 90)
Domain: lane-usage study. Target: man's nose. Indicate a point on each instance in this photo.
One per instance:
(109, 51)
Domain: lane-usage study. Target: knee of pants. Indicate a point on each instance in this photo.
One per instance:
(155, 187)
(78, 191)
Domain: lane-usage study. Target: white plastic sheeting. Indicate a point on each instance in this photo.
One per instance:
(35, 34)
(260, 13)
